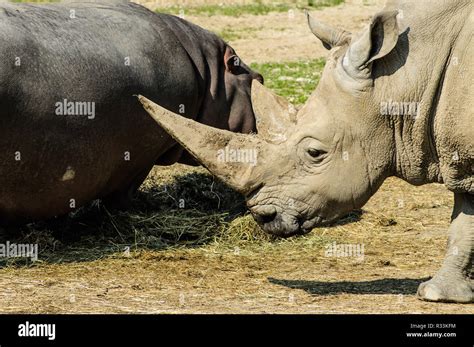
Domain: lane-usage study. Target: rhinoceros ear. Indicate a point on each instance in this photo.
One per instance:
(273, 114)
(330, 37)
(375, 42)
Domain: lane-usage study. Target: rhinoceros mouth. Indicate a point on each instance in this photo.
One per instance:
(286, 225)
(310, 224)
(282, 227)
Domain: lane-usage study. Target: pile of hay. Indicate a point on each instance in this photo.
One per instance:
(177, 206)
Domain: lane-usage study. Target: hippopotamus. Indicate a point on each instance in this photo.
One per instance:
(71, 129)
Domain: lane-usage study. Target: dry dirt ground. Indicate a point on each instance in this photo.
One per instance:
(403, 230)
(285, 36)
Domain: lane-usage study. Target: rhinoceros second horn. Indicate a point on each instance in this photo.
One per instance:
(273, 114)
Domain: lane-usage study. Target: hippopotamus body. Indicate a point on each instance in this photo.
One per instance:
(71, 129)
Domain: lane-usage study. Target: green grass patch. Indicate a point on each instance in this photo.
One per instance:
(230, 33)
(225, 10)
(295, 81)
(256, 8)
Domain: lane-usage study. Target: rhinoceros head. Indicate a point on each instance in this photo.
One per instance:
(309, 167)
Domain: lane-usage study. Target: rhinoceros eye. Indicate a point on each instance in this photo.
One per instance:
(311, 152)
(314, 153)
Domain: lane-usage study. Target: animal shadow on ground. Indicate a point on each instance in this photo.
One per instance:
(405, 286)
(191, 210)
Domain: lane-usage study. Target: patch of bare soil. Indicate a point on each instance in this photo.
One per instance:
(283, 36)
(278, 37)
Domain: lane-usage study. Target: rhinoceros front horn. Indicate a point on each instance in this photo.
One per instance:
(229, 156)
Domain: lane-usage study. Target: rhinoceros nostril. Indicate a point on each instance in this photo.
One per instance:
(264, 214)
(267, 218)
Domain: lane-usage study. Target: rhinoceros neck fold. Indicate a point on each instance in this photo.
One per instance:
(410, 92)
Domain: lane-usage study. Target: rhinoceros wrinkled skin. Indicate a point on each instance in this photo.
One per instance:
(71, 129)
(395, 99)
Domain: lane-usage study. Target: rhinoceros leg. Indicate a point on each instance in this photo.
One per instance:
(454, 282)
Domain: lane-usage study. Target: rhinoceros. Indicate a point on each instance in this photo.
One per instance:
(394, 99)
(71, 129)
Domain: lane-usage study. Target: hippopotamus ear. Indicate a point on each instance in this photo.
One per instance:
(231, 61)
(375, 42)
(232, 64)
